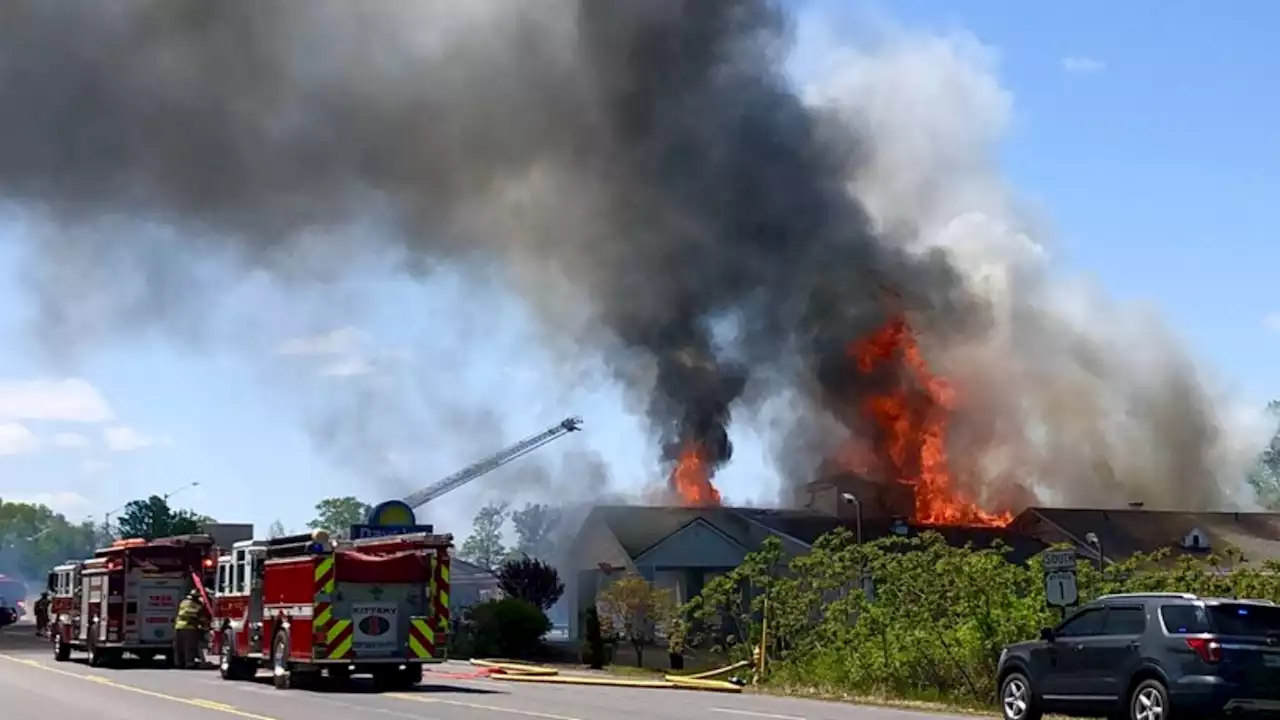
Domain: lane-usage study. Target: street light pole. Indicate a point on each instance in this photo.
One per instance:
(106, 518)
(1096, 542)
(171, 493)
(857, 508)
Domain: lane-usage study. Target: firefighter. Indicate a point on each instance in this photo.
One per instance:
(188, 627)
(42, 614)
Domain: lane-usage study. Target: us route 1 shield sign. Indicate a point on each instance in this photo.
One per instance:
(1060, 578)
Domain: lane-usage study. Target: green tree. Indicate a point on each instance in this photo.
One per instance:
(153, 518)
(510, 628)
(636, 611)
(535, 525)
(531, 580)
(593, 650)
(484, 547)
(338, 514)
(1265, 476)
(916, 617)
(33, 539)
(276, 529)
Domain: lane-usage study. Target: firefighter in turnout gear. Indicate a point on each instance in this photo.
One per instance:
(189, 627)
(42, 613)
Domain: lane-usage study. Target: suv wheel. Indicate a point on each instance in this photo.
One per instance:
(1149, 701)
(1017, 701)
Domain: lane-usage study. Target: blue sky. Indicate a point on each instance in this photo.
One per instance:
(1142, 131)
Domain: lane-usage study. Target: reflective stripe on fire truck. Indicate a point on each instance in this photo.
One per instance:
(325, 575)
(340, 636)
(323, 624)
(440, 578)
(422, 639)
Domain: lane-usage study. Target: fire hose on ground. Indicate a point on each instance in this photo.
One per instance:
(522, 672)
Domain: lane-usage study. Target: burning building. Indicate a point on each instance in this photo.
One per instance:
(895, 460)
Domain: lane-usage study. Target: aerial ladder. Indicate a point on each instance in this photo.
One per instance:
(492, 462)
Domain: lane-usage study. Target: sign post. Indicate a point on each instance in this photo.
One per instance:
(1060, 589)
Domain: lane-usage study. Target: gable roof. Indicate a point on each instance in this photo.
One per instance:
(698, 530)
(1127, 532)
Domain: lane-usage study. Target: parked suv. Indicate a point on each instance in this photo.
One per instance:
(1150, 656)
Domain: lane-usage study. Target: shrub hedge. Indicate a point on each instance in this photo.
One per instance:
(914, 617)
(508, 628)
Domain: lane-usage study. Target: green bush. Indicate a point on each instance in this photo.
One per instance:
(509, 628)
(936, 620)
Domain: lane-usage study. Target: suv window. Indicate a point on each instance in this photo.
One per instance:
(1184, 619)
(1125, 621)
(1244, 619)
(1084, 623)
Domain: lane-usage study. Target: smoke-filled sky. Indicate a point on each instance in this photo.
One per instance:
(487, 220)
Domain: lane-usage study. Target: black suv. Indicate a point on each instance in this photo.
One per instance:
(1151, 656)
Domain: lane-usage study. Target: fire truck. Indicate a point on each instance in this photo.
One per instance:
(124, 598)
(306, 606)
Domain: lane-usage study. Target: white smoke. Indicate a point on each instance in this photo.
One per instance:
(1079, 399)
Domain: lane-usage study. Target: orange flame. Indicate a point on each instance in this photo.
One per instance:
(691, 477)
(912, 421)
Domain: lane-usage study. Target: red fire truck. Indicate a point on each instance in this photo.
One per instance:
(124, 598)
(306, 605)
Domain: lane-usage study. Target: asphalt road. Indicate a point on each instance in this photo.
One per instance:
(34, 687)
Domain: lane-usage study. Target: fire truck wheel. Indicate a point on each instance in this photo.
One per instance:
(61, 651)
(281, 672)
(230, 666)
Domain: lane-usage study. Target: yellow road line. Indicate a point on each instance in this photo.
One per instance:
(479, 706)
(194, 702)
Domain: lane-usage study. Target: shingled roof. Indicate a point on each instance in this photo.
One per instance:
(638, 528)
(1124, 533)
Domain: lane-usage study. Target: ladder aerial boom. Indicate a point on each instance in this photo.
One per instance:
(492, 462)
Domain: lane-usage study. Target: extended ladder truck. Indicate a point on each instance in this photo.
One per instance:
(307, 606)
(486, 465)
(124, 598)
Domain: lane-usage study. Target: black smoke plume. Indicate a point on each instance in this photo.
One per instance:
(652, 154)
(642, 173)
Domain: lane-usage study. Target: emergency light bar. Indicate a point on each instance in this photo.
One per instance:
(415, 539)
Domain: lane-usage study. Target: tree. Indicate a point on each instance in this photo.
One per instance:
(153, 518)
(276, 529)
(1265, 476)
(593, 651)
(636, 611)
(33, 539)
(531, 580)
(534, 525)
(509, 627)
(338, 514)
(484, 546)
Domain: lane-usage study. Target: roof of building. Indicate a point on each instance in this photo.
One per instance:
(639, 528)
(463, 570)
(1131, 531)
